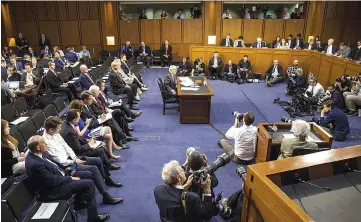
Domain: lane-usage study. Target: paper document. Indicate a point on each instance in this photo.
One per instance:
(105, 77)
(96, 132)
(71, 82)
(289, 135)
(108, 117)
(95, 145)
(45, 211)
(190, 88)
(19, 120)
(186, 81)
(3, 180)
(117, 103)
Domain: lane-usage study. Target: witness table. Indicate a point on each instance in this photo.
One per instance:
(194, 102)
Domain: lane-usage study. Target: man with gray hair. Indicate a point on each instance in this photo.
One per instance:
(85, 80)
(300, 130)
(274, 74)
(330, 49)
(175, 203)
(170, 83)
(259, 43)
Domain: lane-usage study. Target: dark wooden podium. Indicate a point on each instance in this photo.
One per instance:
(268, 146)
(195, 106)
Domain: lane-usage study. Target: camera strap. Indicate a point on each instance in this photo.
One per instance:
(184, 198)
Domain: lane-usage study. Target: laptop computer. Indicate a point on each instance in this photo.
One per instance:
(13, 84)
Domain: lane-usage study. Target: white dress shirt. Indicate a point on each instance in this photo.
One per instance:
(244, 141)
(275, 72)
(316, 90)
(329, 50)
(215, 63)
(227, 41)
(29, 79)
(59, 149)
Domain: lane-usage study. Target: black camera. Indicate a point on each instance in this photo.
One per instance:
(286, 120)
(316, 120)
(352, 78)
(238, 115)
(220, 161)
(323, 98)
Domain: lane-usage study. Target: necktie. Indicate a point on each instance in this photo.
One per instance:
(99, 104)
(259, 45)
(166, 50)
(89, 77)
(274, 69)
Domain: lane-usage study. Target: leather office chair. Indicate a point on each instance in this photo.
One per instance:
(305, 151)
(155, 56)
(164, 99)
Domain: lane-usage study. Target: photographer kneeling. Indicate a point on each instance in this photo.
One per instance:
(314, 90)
(244, 137)
(296, 82)
(175, 203)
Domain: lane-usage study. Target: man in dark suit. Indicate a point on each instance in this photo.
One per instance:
(80, 146)
(166, 54)
(127, 49)
(46, 51)
(85, 80)
(175, 203)
(22, 45)
(244, 68)
(136, 76)
(70, 55)
(43, 41)
(144, 54)
(298, 81)
(120, 87)
(230, 71)
(55, 83)
(28, 77)
(170, 83)
(356, 55)
(298, 42)
(274, 74)
(228, 42)
(4, 71)
(199, 68)
(54, 183)
(37, 68)
(330, 48)
(215, 66)
(259, 43)
(13, 75)
(185, 68)
(290, 41)
(311, 45)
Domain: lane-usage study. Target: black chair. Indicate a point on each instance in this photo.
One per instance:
(5, 98)
(165, 100)
(28, 129)
(305, 151)
(8, 113)
(22, 143)
(38, 120)
(22, 108)
(50, 110)
(59, 105)
(156, 56)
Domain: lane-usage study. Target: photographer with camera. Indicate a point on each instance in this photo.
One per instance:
(199, 68)
(314, 90)
(185, 68)
(334, 121)
(175, 203)
(243, 151)
(343, 83)
(335, 96)
(292, 70)
(353, 98)
(295, 82)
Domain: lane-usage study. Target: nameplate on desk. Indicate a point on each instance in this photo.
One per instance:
(45, 211)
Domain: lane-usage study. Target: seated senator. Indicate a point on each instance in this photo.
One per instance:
(166, 54)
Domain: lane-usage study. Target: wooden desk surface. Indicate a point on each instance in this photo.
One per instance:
(208, 90)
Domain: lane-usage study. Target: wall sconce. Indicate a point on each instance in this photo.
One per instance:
(12, 42)
(110, 40)
(309, 38)
(212, 39)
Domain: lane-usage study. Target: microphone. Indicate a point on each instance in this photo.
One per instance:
(298, 179)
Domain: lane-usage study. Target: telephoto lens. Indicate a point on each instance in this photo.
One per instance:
(190, 150)
(286, 120)
(238, 114)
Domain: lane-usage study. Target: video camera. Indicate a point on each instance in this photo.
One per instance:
(238, 115)
(351, 78)
(323, 98)
(286, 119)
(220, 161)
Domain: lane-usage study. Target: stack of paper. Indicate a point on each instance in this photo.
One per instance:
(190, 88)
(186, 81)
(107, 117)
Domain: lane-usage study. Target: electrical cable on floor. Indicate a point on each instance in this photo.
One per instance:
(254, 106)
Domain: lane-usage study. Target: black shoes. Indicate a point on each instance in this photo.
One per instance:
(111, 200)
(133, 107)
(129, 120)
(114, 167)
(111, 183)
(100, 218)
(130, 138)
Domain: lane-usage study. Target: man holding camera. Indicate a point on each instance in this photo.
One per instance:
(335, 96)
(343, 83)
(175, 203)
(353, 98)
(244, 137)
(314, 90)
(298, 81)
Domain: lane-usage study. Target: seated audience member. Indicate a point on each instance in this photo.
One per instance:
(56, 49)
(85, 80)
(6, 52)
(353, 98)
(277, 42)
(56, 84)
(247, 15)
(314, 90)
(227, 15)
(274, 74)
(60, 63)
(38, 70)
(163, 14)
(330, 49)
(18, 66)
(185, 68)
(318, 43)
(179, 14)
(70, 55)
(243, 150)
(168, 196)
(81, 146)
(343, 51)
(290, 41)
(356, 55)
(12, 160)
(334, 121)
(31, 52)
(28, 77)
(228, 42)
(60, 151)
(311, 45)
(119, 86)
(197, 13)
(56, 183)
(127, 49)
(142, 14)
(239, 42)
(230, 71)
(335, 96)
(21, 44)
(82, 128)
(170, 83)
(286, 13)
(259, 43)
(44, 61)
(166, 54)
(244, 68)
(131, 80)
(124, 66)
(199, 68)
(298, 42)
(292, 70)
(215, 66)
(283, 45)
(84, 52)
(296, 82)
(4, 70)
(300, 130)
(43, 41)
(9, 94)
(46, 51)
(343, 84)
(13, 75)
(144, 54)
(297, 14)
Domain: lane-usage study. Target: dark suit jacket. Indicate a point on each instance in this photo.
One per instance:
(313, 47)
(246, 65)
(187, 66)
(162, 50)
(85, 82)
(211, 62)
(4, 74)
(77, 143)
(356, 55)
(88, 114)
(334, 49)
(301, 82)
(43, 44)
(71, 56)
(124, 67)
(295, 43)
(59, 63)
(147, 50)
(7, 162)
(97, 109)
(36, 79)
(53, 80)
(279, 69)
(233, 68)
(14, 77)
(45, 177)
(168, 200)
(263, 44)
(116, 82)
(169, 85)
(223, 42)
(42, 52)
(38, 71)
(292, 44)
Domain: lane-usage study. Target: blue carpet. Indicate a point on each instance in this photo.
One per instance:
(167, 139)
